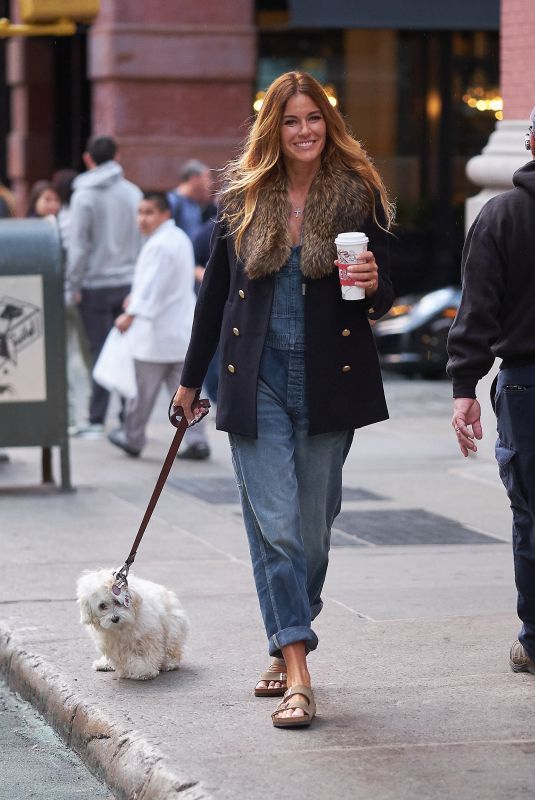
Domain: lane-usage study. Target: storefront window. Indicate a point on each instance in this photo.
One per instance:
(422, 103)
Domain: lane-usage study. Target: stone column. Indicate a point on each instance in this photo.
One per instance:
(172, 81)
(505, 151)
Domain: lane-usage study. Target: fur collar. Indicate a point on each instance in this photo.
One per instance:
(337, 201)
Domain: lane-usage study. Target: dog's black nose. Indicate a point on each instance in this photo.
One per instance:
(115, 619)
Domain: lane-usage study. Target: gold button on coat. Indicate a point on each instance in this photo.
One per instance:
(371, 310)
(231, 368)
(347, 368)
(346, 332)
(241, 293)
(235, 331)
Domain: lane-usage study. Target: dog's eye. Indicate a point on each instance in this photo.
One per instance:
(116, 603)
(102, 606)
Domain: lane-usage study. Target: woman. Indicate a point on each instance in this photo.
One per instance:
(299, 368)
(44, 200)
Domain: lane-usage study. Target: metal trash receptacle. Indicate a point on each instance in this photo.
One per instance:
(33, 383)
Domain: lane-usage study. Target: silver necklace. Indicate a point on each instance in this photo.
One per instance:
(297, 211)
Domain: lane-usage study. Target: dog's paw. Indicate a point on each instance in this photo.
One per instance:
(103, 665)
(139, 676)
(170, 666)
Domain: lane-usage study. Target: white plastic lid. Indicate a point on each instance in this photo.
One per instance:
(351, 237)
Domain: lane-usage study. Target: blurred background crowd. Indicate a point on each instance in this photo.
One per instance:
(423, 87)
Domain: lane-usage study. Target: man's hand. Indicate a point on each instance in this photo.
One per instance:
(123, 322)
(466, 415)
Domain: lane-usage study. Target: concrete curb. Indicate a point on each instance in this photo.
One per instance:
(129, 766)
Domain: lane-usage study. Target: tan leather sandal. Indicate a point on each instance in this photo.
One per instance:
(288, 703)
(273, 675)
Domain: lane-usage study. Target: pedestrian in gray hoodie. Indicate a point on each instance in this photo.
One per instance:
(103, 248)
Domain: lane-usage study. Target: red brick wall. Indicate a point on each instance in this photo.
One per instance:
(172, 80)
(517, 57)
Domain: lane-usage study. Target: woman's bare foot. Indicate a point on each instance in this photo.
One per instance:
(297, 674)
(277, 665)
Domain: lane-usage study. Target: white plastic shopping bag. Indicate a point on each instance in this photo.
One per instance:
(115, 369)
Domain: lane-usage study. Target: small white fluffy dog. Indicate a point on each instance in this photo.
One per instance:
(139, 636)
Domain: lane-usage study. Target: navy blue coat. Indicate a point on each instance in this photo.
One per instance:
(344, 385)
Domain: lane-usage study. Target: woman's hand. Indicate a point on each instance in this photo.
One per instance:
(184, 397)
(365, 273)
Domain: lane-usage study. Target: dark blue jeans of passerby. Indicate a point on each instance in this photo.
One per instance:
(99, 308)
(515, 454)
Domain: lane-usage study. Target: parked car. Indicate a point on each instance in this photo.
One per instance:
(411, 338)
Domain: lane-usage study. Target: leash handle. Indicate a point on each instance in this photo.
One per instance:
(178, 419)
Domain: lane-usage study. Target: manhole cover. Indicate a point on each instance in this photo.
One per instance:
(211, 490)
(224, 490)
(411, 526)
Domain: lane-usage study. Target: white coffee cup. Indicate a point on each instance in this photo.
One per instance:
(349, 246)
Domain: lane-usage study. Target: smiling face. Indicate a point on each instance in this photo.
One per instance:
(303, 132)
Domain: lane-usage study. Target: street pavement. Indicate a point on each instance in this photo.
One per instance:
(34, 762)
(415, 697)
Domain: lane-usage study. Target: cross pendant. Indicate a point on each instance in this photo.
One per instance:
(298, 212)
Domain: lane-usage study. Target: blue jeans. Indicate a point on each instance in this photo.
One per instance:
(515, 454)
(290, 486)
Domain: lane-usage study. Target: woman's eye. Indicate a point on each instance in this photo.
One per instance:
(102, 606)
(315, 118)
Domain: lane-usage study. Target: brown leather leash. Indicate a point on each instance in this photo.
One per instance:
(177, 418)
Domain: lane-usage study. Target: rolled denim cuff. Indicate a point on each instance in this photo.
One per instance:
(315, 609)
(298, 633)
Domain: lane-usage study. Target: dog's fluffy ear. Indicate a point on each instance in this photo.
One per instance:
(87, 616)
(84, 586)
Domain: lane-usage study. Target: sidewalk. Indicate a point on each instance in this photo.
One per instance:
(415, 698)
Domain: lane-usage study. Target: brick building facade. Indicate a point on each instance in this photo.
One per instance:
(178, 80)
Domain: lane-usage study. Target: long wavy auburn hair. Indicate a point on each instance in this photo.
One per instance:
(261, 162)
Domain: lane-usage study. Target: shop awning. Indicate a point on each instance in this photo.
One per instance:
(455, 15)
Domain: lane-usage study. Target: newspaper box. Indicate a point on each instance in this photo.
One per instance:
(33, 385)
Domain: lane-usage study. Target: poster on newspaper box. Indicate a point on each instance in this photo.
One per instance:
(22, 344)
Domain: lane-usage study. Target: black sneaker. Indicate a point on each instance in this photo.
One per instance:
(118, 438)
(519, 661)
(195, 452)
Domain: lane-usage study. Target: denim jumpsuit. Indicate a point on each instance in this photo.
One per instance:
(290, 483)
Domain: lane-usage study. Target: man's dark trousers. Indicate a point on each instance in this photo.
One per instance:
(515, 453)
(99, 308)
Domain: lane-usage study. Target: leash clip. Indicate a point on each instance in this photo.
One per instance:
(121, 579)
(119, 587)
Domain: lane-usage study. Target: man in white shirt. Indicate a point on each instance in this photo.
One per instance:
(158, 317)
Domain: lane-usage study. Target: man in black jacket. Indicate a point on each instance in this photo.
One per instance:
(496, 319)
